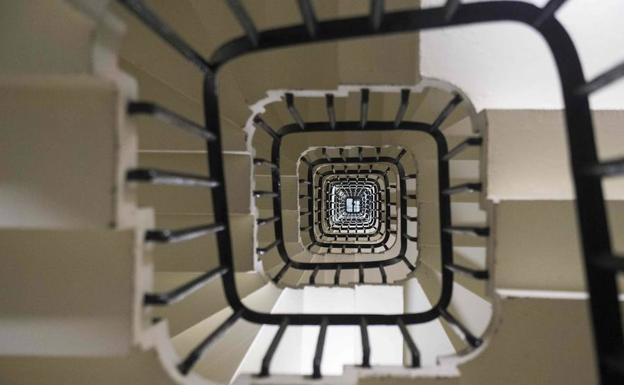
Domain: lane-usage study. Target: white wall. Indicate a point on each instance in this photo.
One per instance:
(342, 343)
(508, 65)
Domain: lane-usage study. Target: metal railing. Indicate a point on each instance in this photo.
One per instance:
(601, 265)
(314, 217)
(319, 236)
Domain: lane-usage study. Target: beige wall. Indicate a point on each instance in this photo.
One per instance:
(528, 156)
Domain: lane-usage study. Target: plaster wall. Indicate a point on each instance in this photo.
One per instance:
(508, 65)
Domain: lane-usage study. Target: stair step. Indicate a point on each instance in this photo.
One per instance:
(71, 315)
(72, 182)
(44, 44)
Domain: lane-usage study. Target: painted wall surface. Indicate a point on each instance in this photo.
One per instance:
(508, 65)
(527, 154)
(342, 344)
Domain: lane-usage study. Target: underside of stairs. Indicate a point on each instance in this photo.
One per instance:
(259, 192)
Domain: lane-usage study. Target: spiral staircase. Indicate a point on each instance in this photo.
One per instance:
(261, 192)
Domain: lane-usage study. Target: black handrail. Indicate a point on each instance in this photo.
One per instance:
(591, 210)
(340, 245)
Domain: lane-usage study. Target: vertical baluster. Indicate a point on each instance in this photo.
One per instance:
(365, 343)
(266, 361)
(318, 355)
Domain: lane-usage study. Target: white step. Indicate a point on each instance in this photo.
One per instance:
(40, 45)
(67, 292)
(68, 148)
(537, 244)
(540, 337)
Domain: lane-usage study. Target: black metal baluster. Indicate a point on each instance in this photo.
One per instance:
(191, 359)
(264, 221)
(180, 235)
(470, 338)
(155, 176)
(470, 142)
(331, 111)
(264, 162)
(181, 292)
(364, 107)
(376, 13)
(476, 274)
(318, 355)
(405, 94)
(602, 80)
(261, 193)
(451, 8)
(365, 343)
(468, 230)
(308, 16)
(606, 169)
(401, 155)
(408, 263)
(547, 12)
(263, 250)
(462, 188)
(282, 271)
(313, 275)
(294, 113)
(245, 21)
(446, 112)
(163, 114)
(266, 361)
(414, 352)
(259, 122)
(384, 279)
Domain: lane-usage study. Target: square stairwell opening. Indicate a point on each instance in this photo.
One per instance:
(353, 205)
